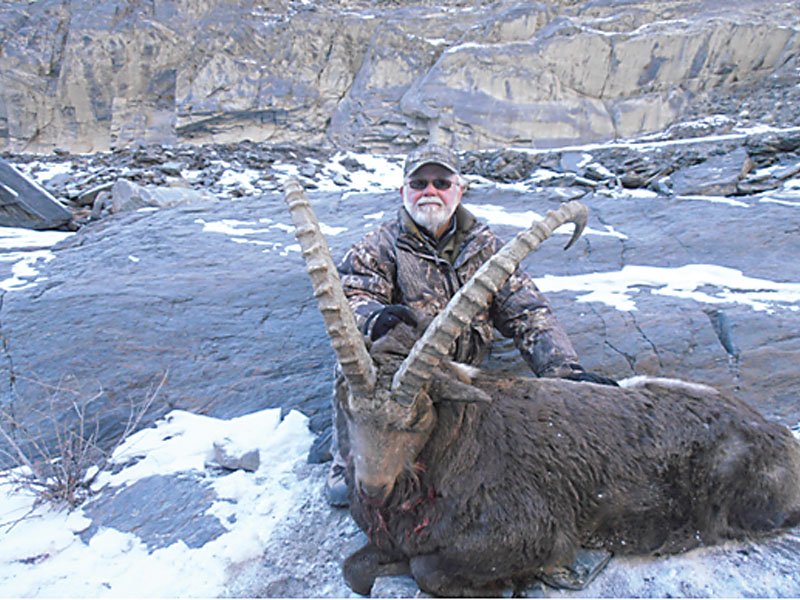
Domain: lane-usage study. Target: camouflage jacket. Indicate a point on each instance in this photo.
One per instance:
(398, 264)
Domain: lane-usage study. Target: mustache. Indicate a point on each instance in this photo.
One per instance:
(430, 200)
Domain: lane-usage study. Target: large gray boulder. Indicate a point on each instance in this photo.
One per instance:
(214, 295)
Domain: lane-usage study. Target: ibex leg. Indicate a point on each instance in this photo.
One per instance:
(367, 564)
(435, 575)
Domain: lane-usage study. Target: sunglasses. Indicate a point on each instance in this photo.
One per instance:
(439, 183)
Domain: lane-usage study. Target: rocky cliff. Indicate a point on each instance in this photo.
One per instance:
(98, 74)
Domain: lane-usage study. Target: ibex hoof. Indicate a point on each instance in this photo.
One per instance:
(361, 568)
(587, 565)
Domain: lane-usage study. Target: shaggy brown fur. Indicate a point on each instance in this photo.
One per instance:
(505, 489)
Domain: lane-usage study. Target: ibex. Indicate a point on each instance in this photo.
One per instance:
(473, 483)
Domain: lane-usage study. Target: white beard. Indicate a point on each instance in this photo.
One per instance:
(431, 216)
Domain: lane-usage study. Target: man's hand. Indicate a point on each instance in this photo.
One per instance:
(390, 316)
(591, 377)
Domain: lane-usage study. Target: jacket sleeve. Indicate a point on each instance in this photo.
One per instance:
(521, 312)
(367, 272)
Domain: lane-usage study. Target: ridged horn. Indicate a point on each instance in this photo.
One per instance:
(346, 339)
(476, 295)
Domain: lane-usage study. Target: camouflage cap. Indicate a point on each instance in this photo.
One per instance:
(431, 153)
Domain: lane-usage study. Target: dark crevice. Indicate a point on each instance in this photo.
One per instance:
(724, 332)
(623, 249)
(631, 360)
(648, 340)
(722, 328)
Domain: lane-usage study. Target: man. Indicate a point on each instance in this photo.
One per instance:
(416, 263)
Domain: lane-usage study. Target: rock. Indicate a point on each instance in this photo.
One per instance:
(396, 587)
(159, 509)
(717, 176)
(213, 293)
(773, 179)
(320, 451)
(24, 203)
(663, 186)
(229, 456)
(307, 170)
(784, 173)
(102, 202)
(306, 551)
(89, 196)
(341, 180)
(764, 147)
(59, 181)
(625, 84)
(171, 168)
(126, 196)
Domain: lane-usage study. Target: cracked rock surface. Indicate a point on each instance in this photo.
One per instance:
(214, 295)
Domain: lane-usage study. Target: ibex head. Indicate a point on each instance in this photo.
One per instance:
(392, 390)
(386, 436)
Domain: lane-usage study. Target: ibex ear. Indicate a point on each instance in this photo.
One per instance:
(446, 388)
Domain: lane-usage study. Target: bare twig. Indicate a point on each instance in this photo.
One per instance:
(14, 522)
(63, 472)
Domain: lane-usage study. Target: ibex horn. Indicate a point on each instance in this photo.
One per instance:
(476, 295)
(347, 341)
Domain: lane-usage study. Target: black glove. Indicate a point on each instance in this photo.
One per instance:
(591, 377)
(390, 316)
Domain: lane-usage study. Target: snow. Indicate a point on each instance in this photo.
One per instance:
(239, 232)
(46, 172)
(42, 554)
(24, 269)
(782, 202)
(230, 227)
(26, 251)
(377, 173)
(18, 238)
(497, 215)
(717, 200)
(639, 193)
(646, 144)
(242, 180)
(616, 288)
(380, 173)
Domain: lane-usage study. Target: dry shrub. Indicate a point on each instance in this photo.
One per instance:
(63, 472)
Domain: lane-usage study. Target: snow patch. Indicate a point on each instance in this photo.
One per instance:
(42, 555)
(616, 288)
(497, 215)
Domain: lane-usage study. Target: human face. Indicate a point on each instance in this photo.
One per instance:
(431, 207)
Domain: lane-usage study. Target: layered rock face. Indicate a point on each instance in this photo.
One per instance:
(96, 74)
